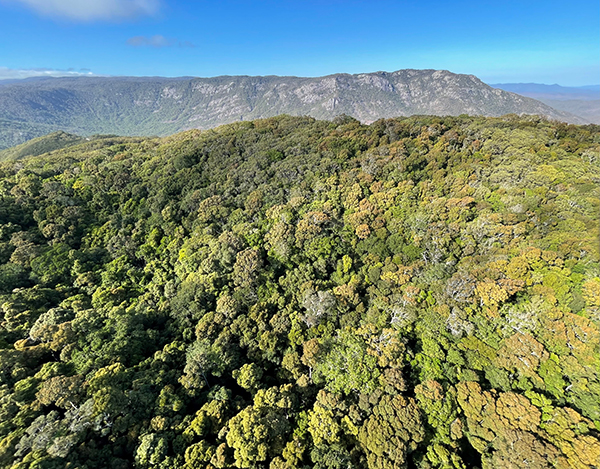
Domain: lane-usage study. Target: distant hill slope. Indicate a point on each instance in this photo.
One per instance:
(39, 146)
(63, 141)
(581, 101)
(162, 106)
(14, 132)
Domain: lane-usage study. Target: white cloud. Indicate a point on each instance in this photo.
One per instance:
(157, 41)
(93, 10)
(15, 74)
(154, 41)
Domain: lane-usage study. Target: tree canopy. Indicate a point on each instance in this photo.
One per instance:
(289, 293)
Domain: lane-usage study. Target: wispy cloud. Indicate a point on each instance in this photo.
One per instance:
(14, 74)
(92, 10)
(157, 41)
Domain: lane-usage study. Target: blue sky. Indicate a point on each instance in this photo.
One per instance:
(501, 41)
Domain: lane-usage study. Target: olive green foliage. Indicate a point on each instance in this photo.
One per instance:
(291, 293)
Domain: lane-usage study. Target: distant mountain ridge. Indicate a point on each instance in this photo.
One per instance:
(538, 90)
(582, 101)
(162, 106)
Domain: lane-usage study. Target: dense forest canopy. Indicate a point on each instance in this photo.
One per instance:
(292, 293)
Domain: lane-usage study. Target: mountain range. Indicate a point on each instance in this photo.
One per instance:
(163, 106)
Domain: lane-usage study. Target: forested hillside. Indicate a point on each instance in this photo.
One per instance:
(291, 293)
(46, 144)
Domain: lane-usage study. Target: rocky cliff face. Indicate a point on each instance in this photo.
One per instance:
(160, 106)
